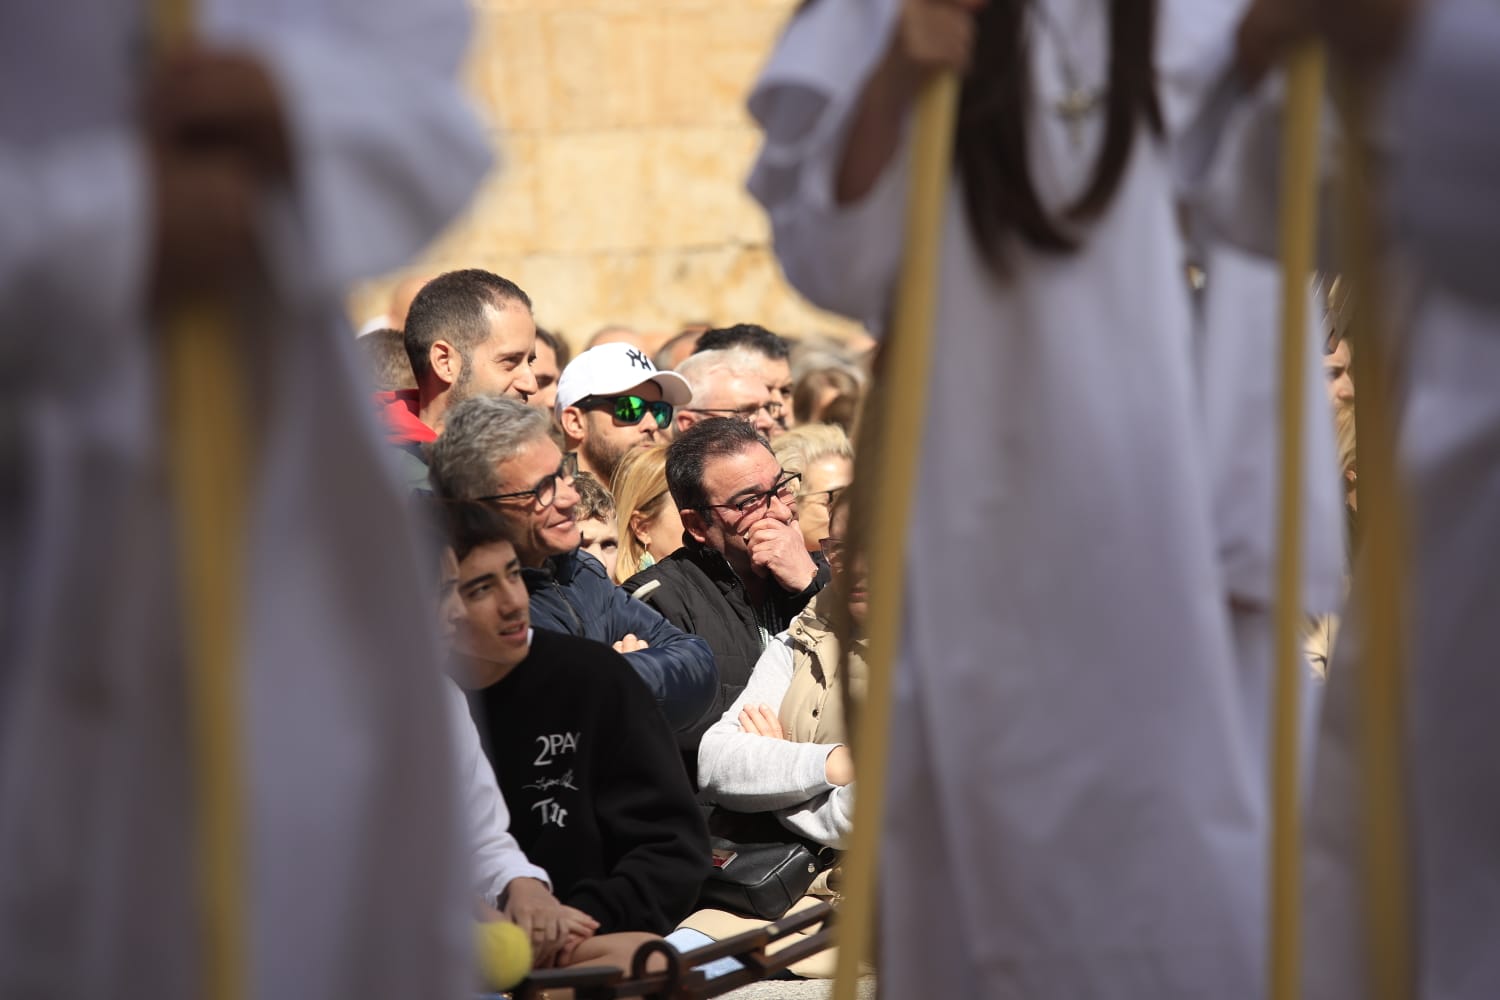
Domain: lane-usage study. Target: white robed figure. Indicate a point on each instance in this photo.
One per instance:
(1443, 200)
(355, 880)
(1239, 366)
(1074, 810)
(1228, 164)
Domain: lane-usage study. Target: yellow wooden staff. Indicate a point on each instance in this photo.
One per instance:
(1297, 238)
(891, 447)
(1379, 589)
(1379, 583)
(209, 451)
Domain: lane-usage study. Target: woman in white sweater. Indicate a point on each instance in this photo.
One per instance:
(780, 747)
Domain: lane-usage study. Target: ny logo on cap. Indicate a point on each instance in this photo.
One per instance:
(638, 359)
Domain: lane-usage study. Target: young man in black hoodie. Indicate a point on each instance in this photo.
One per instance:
(597, 793)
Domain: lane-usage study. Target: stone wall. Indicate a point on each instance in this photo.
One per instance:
(625, 147)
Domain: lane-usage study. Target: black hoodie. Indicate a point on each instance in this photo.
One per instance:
(596, 790)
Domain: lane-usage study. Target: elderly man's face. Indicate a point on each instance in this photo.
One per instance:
(736, 486)
(541, 531)
(743, 397)
(777, 373)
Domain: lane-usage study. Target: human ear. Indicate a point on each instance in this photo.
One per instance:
(445, 361)
(696, 525)
(571, 419)
(637, 526)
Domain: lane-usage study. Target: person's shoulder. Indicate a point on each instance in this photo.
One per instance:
(653, 572)
(670, 586)
(579, 570)
(676, 567)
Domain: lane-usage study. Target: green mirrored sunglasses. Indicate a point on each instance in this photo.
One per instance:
(630, 409)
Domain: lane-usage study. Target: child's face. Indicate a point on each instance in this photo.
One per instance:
(600, 540)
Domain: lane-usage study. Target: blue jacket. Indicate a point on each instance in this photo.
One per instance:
(571, 593)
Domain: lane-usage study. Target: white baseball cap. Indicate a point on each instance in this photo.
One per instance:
(612, 368)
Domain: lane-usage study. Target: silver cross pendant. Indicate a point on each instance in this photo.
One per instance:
(1074, 108)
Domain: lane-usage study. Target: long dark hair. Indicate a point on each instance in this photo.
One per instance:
(991, 146)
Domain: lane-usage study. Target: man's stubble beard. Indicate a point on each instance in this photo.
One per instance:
(460, 390)
(603, 457)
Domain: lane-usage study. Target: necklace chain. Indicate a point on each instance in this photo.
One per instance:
(1078, 102)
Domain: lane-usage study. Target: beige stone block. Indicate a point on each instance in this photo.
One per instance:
(703, 62)
(696, 188)
(506, 69)
(590, 190)
(576, 44)
(625, 146)
(740, 284)
(365, 301)
(696, 284)
(503, 217)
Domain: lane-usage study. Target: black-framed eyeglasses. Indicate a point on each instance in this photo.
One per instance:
(746, 413)
(630, 409)
(545, 491)
(785, 490)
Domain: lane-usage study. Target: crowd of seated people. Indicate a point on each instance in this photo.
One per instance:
(646, 573)
(623, 553)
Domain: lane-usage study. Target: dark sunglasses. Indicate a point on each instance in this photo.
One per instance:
(630, 409)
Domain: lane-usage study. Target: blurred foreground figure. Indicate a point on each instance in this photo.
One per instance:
(298, 147)
(1074, 810)
(1444, 201)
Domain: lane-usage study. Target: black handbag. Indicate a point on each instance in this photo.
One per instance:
(762, 880)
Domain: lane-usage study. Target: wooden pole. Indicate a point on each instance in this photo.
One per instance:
(208, 450)
(887, 501)
(1379, 589)
(1298, 235)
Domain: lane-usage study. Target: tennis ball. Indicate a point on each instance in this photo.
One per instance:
(504, 954)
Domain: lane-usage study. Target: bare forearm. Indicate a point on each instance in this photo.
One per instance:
(875, 133)
(932, 36)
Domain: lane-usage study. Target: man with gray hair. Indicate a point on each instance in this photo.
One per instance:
(500, 451)
(728, 383)
(772, 354)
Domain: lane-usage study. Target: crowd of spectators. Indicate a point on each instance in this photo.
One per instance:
(625, 547)
(645, 571)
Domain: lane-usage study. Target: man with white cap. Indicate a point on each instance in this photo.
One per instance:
(610, 399)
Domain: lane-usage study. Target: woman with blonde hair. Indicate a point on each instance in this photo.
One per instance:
(822, 454)
(648, 523)
(829, 394)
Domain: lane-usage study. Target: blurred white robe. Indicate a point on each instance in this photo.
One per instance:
(1445, 187)
(1241, 373)
(1074, 809)
(1228, 164)
(355, 881)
